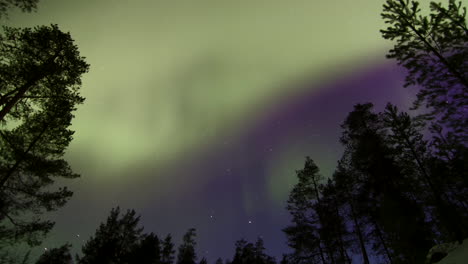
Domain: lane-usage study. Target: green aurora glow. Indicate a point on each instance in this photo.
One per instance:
(169, 78)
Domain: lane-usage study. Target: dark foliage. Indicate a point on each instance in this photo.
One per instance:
(40, 73)
(433, 49)
(248, 253)
(120, 240)
(167, 251)
(59, 255)
(23, 5)
(186, 253)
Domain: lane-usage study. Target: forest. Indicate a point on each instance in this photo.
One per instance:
(399, 189)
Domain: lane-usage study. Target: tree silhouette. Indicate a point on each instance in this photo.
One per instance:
(333, 230)
(186, 253)
(433, 49)
(248, 253)
(39, 66)
(304, 234)
(24, 5)
(347, 186)
(40, 73)
(114, 240)
(433, 190)
(203, 261)
(167, 253)
(386, 196)
(147, 251)
(59, 255)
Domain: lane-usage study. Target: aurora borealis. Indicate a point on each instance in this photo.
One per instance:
(198, 113)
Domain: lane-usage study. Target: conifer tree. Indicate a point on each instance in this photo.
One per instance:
(433, 49)
(386, 197)
(40, 71)
(303, 235)
(59, 255)
(147, 251)
(434, 191)
(186, 253)
(167, 250)
(248, 253)
(114, 240)
(23, 5)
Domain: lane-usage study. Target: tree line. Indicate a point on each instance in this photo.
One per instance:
(400, 187)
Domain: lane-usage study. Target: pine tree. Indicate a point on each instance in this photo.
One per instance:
(203, 261)
(147, 251)
(433, 49)
(167, 253)
(333, 230)
(347, 185)
(24, 5)
(386, 197)
(59, 255)
(40, 73)
(433, 190)
(303, 235)
(114, 240)
(186, 254)
(248, 253)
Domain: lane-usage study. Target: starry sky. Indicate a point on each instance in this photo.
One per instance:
(198, 113)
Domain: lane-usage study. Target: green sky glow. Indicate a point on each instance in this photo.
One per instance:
(170, 80)
(167, 76)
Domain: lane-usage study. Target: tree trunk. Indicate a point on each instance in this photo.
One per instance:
(379, 234)
(361, 239)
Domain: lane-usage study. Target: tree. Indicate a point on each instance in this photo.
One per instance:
(147, 251)
(248, 253)
(203, 261)
(433, 49)
(304, 234)
(59, 255)
(39, 66)
(40, 71)
(333, 230)
(8, 257)
(115, 240)
(347, 186)
(186, 254)
(167, 254)
(386, 196)
(219, 261)
(446, 194)
(24, 5)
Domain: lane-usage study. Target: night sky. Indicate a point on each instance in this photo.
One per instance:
(198, 113)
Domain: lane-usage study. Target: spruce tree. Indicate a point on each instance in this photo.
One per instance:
(186, 253)
(304, 233)
(167, 250)
(386, 198)
(114, 240)
(59, 255)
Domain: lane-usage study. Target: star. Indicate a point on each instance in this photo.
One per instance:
(250, 221)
